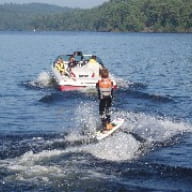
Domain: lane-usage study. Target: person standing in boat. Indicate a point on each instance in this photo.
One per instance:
(94, 65)
(105, 94)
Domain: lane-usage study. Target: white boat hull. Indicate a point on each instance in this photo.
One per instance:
(81, 76)
(65, 83)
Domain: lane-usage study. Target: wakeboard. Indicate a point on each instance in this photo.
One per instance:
(117, 123)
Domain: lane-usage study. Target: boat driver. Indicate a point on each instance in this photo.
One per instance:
(72, 62)
(94, 65)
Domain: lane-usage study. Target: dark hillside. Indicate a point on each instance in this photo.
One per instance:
(19, 17)
(115, 15)
(126, 15)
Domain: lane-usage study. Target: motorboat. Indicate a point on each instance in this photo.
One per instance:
(81, 71)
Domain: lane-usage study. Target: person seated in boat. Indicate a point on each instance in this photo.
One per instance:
(72, 62)
(94, 65)
(60, 66)
(105, 94)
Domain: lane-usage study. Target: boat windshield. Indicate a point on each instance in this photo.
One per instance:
(64, 57)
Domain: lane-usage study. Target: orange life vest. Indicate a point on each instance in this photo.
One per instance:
(105, 87)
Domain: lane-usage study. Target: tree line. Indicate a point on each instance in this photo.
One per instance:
(115, 15)
(20, 16)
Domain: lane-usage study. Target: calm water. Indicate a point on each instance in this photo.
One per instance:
(46, 136)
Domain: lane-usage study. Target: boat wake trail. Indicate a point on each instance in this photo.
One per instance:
(62, 155)
(124, 84)
(54, 161)
(139, 134)
(137, 94)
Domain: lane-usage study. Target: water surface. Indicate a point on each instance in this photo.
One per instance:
(46, 136)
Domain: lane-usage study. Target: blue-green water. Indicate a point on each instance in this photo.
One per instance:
(46, 136)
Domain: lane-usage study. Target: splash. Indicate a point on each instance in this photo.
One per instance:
(125, 84)
(86, 122)
(123, 145)
(121, 83)
(153, 129)
(139, 133)
(118, 147)
(43, 80)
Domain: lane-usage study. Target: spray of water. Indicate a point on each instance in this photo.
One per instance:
(43, 80)
(121, 146)
(121, 83)
(86, 122)
(139, 130)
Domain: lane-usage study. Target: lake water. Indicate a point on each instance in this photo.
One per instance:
(46, 136)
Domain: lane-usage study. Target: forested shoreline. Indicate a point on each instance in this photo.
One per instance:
(115, 15)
